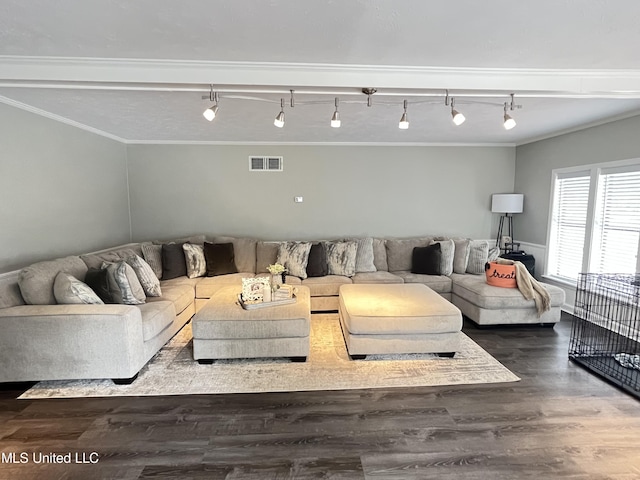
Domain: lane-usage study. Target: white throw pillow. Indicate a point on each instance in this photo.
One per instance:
(195, 260)
(478, 256)
(127, 281)
(294, 256)
(68, 290)
(146, 276)
(341, 258)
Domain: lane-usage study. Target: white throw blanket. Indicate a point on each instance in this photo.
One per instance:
(529, 286)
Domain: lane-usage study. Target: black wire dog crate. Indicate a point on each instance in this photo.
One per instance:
(605, 337)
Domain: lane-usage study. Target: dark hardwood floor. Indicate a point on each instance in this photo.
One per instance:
(560, 421)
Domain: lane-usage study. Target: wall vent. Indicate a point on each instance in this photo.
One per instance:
(265, 164)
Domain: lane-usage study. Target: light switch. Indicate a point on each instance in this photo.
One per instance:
(297, 199)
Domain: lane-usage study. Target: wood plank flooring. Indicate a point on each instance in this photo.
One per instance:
(559, 422)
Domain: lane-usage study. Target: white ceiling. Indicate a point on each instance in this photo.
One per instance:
(137, 71)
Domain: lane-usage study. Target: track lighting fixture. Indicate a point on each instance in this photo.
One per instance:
(509, 122)
(335, 120)
(458, 118)
(279, 121)
(211, 112)
(404, 120)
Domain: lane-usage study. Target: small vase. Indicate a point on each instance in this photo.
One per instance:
(276, 281)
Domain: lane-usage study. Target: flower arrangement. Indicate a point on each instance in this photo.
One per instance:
(276, 269)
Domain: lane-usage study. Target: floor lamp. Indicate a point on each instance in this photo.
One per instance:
(507, 204)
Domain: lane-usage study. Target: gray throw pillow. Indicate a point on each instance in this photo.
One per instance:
(478, 256)
(146, 276)
(364, 254)
(294, 256)
(195, 260)
(152, 254)
(341, 258)
(68, 290)
(125, 278)
(447, 249)
(461, 254)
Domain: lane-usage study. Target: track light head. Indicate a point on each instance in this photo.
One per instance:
(509, 122)
(457, 117)
(335, 120)
(211, 112)
(404, 120)
(279, 121)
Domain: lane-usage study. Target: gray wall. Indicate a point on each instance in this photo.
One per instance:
(347, 190)
(62, 190)
(613, 141)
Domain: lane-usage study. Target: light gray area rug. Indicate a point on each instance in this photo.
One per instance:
(174, 372)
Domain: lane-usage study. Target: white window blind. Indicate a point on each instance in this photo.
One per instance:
(616, 230)
(568, 225)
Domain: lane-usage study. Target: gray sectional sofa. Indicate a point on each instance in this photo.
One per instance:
(44, 341)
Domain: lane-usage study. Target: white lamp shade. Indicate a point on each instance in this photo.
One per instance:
(507, 202)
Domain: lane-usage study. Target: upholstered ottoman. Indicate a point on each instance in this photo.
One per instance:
(400, 318)
(223, 329)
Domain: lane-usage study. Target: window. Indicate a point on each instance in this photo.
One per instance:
(595, 220)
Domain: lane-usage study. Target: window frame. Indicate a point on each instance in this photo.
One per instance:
(594, 171)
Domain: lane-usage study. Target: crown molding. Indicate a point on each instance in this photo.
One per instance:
(624, 83)
(58, 118)
(317, 144)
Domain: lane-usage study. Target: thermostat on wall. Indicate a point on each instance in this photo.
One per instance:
(297, 199)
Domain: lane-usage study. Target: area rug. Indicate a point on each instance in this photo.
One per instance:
(174, 372)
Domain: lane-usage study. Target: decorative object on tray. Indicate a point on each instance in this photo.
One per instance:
(285, 292)
(278, 273)
(260, 304)
(253, 289)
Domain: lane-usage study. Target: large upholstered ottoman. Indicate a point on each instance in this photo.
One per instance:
(223, 329)
(401, 318)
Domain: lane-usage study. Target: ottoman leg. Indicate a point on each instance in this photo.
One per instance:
(124, 381)
(298, 359)
(446, 354)
(357, 357)
(205, 361)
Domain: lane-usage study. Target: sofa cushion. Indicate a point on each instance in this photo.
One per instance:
(125, 278)
(427, 260)
(437, 283)
(10, 295)
(461, 254)
(156, 317)
(294, 256)
(36, 281)
(400, 251)
(376, 277)
(475, 290)
(447, 250)
(380, 255)
(364, 254)
(68, 290)
(341, 258)
(326, 286)
(181, 295)
(194, 260)
(266, 254)
(114, 255)
(181, 281)
(207, 286)
(317, 264)
(146, 276)
(478, 256)
(220, 258)
(152, 254)
(173, 261)
(244, 252)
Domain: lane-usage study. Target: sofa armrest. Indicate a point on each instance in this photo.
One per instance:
(47, 342)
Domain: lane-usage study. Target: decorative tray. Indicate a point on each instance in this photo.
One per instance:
(258, 305)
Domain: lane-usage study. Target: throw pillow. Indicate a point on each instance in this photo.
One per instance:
(294, 256)
(219, 258)
(152, 254)
(493, 254)
(123, 275)
(364, 255)
(173, 263)
(341, 258)
(148, 280)
(461, 255)
(194, 258)
(447, 249)
(103, 285)
(478, 256)
(317, 264)
(426, 260)
(69, 290)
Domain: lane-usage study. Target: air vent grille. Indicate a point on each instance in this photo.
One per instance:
(265, 164)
